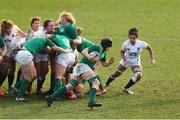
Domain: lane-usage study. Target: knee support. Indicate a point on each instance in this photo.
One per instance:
(137, 76)
(94, 82)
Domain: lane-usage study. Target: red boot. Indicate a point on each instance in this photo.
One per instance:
(1, 93)
(100, 92)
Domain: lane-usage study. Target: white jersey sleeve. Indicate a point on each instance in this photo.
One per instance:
(143, 44)
(124, 45)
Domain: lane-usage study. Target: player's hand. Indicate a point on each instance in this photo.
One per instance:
(79, 30)
(66, 51)
(153, 61)
(48, 35)
(111, 61)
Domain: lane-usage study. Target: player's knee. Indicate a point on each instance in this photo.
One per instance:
(96, 84)
(138, 75)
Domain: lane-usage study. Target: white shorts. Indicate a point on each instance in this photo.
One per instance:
(129, 64)
(40, 57)
(65, 59)
(80, 68)
(24, 57)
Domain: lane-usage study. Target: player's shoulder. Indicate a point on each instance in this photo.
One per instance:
(126, 43)
(141, 41)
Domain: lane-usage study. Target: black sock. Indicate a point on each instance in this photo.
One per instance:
(109, 81)
(18, 75)
(2, 78)
(40, 82)
(130, 83)
(52, 82)
(10, 80)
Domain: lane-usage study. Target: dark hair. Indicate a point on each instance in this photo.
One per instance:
(52, 32)
(46, 22)
(35, 19)
(105, 43)
(133, 31)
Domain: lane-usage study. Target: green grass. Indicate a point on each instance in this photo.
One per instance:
(157, 94)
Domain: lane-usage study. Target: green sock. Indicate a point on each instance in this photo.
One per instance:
(22, 90)
(92, 95)
(101, 84)
(58, 92)
(58, 84)
(18, 84)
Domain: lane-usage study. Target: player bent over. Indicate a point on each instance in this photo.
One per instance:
(25, 58)
(84, 71)
(130, 53)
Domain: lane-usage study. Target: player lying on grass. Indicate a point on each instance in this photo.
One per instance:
(84, 71)
(25, 58)
(130, 54)
(3, 52)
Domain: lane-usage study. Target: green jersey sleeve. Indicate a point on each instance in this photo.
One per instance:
(2, 44)
(49, 43)
(94, 48)
(103, 59)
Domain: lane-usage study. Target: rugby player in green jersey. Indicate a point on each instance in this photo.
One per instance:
(84, 71)
(25, 58)
(3, 52)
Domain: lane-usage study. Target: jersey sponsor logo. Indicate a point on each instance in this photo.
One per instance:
(133, 54)
(7, 41)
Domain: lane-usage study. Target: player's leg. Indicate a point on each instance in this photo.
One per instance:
(44, 71)
(60, 91)
(60, 70)
(25, 59)
(120, 69)
(102, 90)
(3, 74)
(67, 76)
(29, 74)
(62, 62)
(52, 80)
(137, 70)
(90, 76)
(3, 71)
(19, 77)
(11, 73)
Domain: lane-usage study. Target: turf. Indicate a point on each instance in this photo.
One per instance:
(156, 95)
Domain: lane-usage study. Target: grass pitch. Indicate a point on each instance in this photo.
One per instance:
(156, 95)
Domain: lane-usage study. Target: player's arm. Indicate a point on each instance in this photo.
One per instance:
(122, 51)
(3, 53)
(107, 63)
(21, 33)
(77, 41)
(56, 48)
(86, 54)
(79, 30)
(59, 49)
(151, 53)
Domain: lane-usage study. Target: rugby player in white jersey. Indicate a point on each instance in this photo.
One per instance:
(130, 54)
